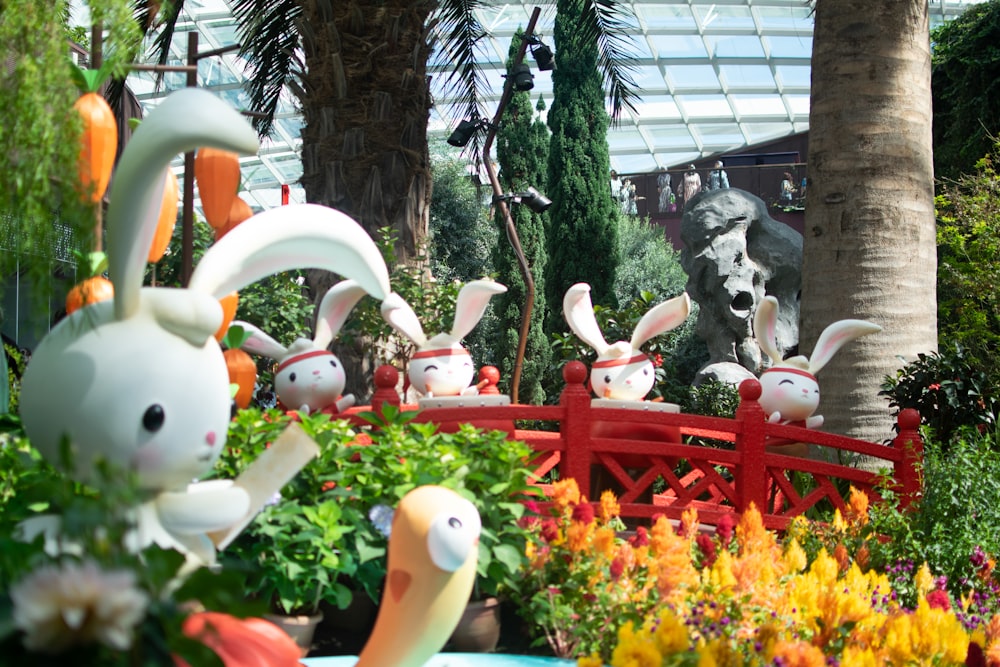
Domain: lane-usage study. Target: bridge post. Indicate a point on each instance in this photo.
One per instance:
(907, 470)
(751, 471)
(575, 427)
(386, 378)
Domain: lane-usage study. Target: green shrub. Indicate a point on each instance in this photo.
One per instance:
(948, 389)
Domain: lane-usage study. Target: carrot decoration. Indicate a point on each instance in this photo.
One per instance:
(92, 289)
(99, 141)
(241, 367)
(228, 303)
(238, 212)
(167, 219)
(217, 173)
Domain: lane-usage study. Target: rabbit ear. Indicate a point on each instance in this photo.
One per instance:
(835, 337)
(579, 314)
(668, 315)
(334, 309)
(183, 121)
(297, 236)
(260, 343)
(765, 321)
(472, 301)
(401, 317)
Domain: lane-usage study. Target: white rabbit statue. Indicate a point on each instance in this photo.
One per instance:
(789, 390)
(139, 381)
(441, 367)
(310, 378)
(622, 371)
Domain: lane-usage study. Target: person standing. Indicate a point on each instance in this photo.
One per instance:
(692, 184)
(718, 178)
(787, 188)
(664, 189)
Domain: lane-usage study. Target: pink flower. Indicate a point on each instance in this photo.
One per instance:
(583, 513)
(938, 599)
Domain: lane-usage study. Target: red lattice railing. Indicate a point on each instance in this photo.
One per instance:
(631, 451)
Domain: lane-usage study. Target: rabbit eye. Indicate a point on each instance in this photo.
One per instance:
(431, 367)
(455, 522)
(291, 377)
(152, 419)
(645, 371)
(785, 382)
(333, 363)
(607, 379)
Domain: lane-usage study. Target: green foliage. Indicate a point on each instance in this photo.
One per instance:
(522, 152)
(712, 398)
(949, 390)
(965, 84)
(582, 234)
(649, 263)
(968, 236)
(953, 525)
(322, 538)
(461, 238)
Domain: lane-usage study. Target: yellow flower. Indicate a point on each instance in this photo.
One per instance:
(923, 580)
(604, 542)
(609, 506)
(857, 656)
(671, 634)
(634, 649)
(565, 493)
(795, 557)
(590, 661)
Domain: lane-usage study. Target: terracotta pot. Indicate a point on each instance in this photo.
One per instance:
(478, 631)
(299, 628)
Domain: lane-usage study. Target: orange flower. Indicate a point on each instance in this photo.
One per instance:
(565, 492)
(604, 542)
(798, 653)
(842, 557)
(857, 507)
(609, 506)
(578, 536)
(689, 523)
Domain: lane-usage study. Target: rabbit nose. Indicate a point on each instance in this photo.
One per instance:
(210, 438)
(316, 372)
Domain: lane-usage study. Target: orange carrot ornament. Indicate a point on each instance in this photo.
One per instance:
(217, 173)
(99, 140)
(229, 304)
(92, 289)
(242, 369)
(168, 218)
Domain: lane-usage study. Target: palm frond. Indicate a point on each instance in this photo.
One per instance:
(457, 37)
(269, 35)
(610, 25)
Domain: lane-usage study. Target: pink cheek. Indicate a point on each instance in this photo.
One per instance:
(210, 438)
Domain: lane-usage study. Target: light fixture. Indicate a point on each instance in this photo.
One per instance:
(523, 80)
(531, 198)
(466, 128)
(543, 56)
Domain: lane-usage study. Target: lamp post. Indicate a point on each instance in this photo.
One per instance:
(501, 202)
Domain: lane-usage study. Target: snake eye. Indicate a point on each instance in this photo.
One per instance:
(153, 418)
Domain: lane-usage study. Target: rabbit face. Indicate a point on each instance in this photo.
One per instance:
(441, 372)
(314, 380)
(623, 379)
(790, 391)
(130, 393)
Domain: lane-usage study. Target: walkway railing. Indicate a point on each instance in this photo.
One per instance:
(644, 456)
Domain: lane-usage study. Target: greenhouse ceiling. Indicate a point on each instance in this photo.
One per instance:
(713, 76)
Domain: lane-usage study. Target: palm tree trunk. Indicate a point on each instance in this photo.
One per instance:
(869, 243)
(365, 108)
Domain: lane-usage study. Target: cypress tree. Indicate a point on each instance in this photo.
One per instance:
(583, 227)
(522, 151)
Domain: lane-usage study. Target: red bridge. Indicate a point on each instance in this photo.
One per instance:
(747, 460)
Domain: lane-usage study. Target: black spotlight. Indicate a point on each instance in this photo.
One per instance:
(543, 57)
(535, 200)
(523, 80)
(463, 133)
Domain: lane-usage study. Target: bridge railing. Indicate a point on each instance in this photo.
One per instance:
(645, 455)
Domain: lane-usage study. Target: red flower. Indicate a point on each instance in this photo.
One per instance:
(550, 530)
(933, 387)
(707, 548)
(724, 529)
(640, 539)
(329, 485)
(658, 360)
(584, 513)
(938, 599)
(617, 568)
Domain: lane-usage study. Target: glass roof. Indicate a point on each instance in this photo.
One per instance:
(713, 76)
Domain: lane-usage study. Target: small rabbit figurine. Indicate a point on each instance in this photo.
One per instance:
(789, 390)
(310, 378)
(139, 381)
(622, 372)
(441, 366)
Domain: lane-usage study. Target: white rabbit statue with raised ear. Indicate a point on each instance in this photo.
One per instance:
(310, 378)
(789, 390)
(622, 371)
(139, 381)
(441, 366)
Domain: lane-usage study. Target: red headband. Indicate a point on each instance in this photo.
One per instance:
(300, 357)
(443, 352)
(621, 361)
(789, 369)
